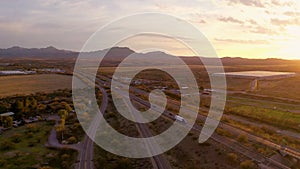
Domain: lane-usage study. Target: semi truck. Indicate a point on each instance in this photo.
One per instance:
(180, 119)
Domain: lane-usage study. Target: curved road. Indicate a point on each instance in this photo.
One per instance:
(86, 152)
(52, 139)
(85, 157)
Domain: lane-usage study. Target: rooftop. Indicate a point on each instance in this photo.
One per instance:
(7, 114)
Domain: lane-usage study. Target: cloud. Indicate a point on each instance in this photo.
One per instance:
(291, 13)
(200, 18)
(259, 3)
(280, 3)
(230, 19)
(46, 25)
(285, 22)
(263, 30)
(255, 3)
(252, 21)
(201, 21)
(259, 41)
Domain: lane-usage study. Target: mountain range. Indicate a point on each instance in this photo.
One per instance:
(116, 54)
(19, 52)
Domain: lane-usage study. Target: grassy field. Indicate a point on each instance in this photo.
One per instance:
(274, 117)
(287, 88)
(284, 106)
(24, 147)
(29, 84)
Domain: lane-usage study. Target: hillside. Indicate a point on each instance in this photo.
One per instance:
(115, 55)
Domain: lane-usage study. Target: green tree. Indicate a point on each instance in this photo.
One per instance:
(34, 103)
(30, 106)
(63, 113)
(17, 106)
(72, 140)
(3, 108)
(60, 129)
(41, 108)
(67, 107)
(7, 121)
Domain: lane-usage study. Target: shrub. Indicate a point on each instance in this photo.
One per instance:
(232, 157)
(16, 138)
(243, 139)
(65, 157)
(45, 167)
(31, 144)
(32, 128)
(247, 164)
(7, 145)
(223, 132)
(2, 163)
(76, 126)
(72, 140)
(123, 164)
(30, 135)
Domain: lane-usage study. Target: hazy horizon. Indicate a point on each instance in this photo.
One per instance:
(296, 59)
(236, 28)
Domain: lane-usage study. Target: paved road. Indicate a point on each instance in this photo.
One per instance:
(233, 145)
(86, 153)
(290, 151)
(244, 120)
(52, 139)
(159, 161)
(237, 147)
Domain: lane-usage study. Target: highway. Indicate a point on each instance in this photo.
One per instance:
(159, 161)
(234, 145)
(85, 157)
(228, 127)
(259, 158)
(86, 152)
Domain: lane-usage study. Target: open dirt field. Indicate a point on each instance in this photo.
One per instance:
(29, 84)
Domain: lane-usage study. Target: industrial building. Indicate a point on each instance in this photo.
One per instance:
(16, 72)
(256, 76)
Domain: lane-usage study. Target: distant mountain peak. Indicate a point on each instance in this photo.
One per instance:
(50, 47)
(156, 52)
(15, 47)
(122, 49)
(47, 52)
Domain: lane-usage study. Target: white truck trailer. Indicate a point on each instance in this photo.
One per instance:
(180, 119)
